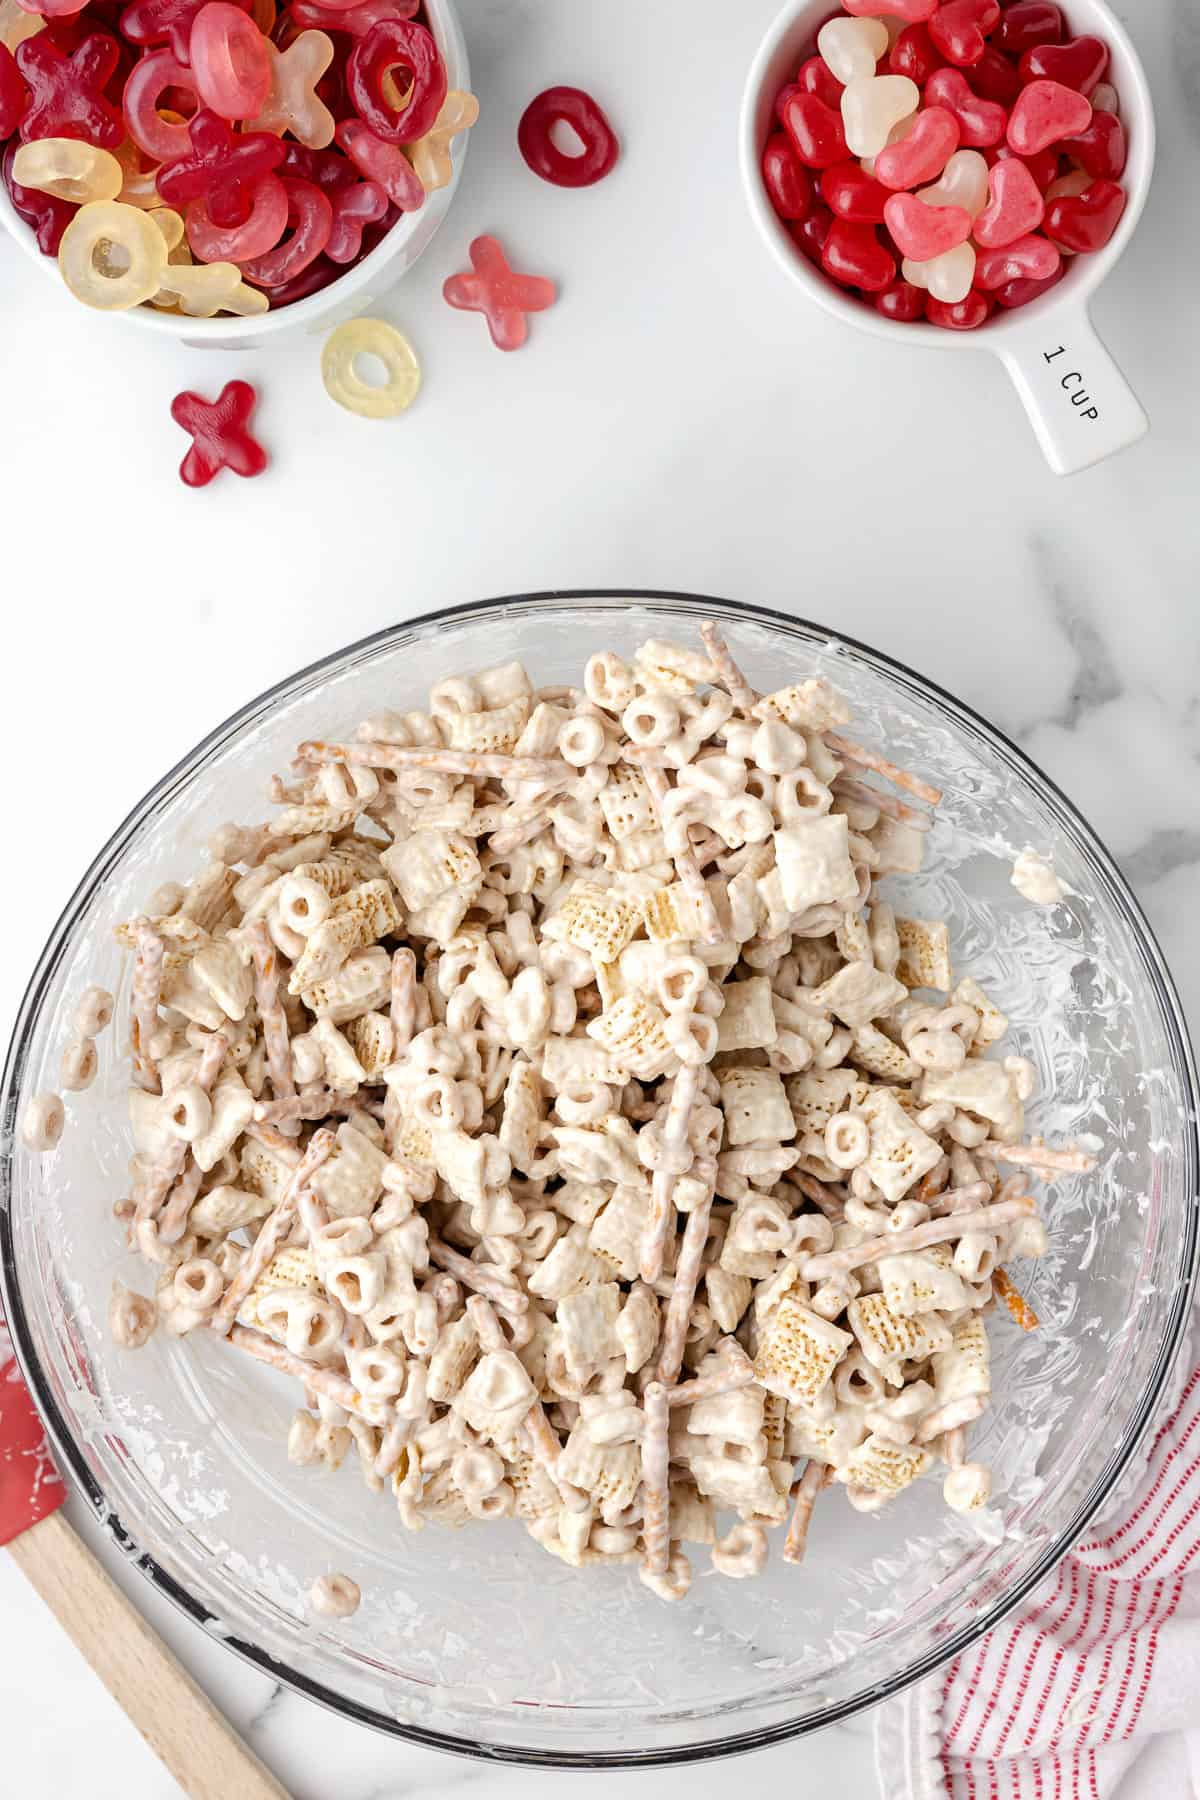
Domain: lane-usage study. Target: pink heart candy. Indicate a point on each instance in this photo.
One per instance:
(922, 232)
(1015, 207)
(913, 12)
(923, 154)
(1045, 113)
(1029, 259)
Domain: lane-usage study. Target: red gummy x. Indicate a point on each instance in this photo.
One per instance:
(222, 168)
(148, 22)
(220, 431)
(502, 295)
(67, 92)
(14, 95)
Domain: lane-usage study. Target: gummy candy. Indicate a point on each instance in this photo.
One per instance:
(809, 234)
(871, 107)
(67, 92)
(222, 168)
(343, 383)
(229, 61)
(1043, 167)
(14, 95)
(853, 194)
(327, 168)
(902, 302)
(1027, 23)
(993, 77)
(816, 77)
(46, 215)
(959, 29)
(980, 122)
(1015, 206)
(355, 20)
(570, 106)
(157, 71)
(948, 277)
(201, 290)
(1046, 112)
(854, 256)
(923, 153)
(1084, 222)
(431, 155)
(92, 274)
(153, 22)
(16, 24)
(171, 225)
(259, 232)
(66, 167)
(1029, 258)
(139, 180)
(359, 204)
(915, 54)
(961, 315)
(502, 295)
(815, 130)
(1020, 293)
(963, 182)
(55, 9)
(787, 181)
(1080, 64)
(913, 12)
(1101, 148)
(310, 216)
(851, 48)
(292, 103)
(220, 431)
(397, 44)
(384, 163)
(921, 231)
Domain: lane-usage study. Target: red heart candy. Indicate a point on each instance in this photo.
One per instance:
(1043, 167)
(1081, 64)
(902, 302)
(816, 131)
(1020, 293)
(788, 183)
(809, 234)
(994, 77)
(1015, 206)
(923, 154)
(913, 12)
(959, 29)
(1027, 23)
(1085, 222)
(816, 77)
(922, 232)
(784, 95)
(981, 123)
(1101, 148)
(1045, 113)
(915, 54)
(852, 194)
(1030, 258)
(963, 315)
(854, 256)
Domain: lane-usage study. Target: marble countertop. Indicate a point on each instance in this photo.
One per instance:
(681, 419)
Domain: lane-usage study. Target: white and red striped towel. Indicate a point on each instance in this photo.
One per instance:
(1091, 1690)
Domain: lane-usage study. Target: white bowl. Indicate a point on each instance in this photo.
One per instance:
(351, 293)
(1078, 401)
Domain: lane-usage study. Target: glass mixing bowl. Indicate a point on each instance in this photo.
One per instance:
(477, 1641)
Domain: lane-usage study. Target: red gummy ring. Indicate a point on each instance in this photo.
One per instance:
(572, 107)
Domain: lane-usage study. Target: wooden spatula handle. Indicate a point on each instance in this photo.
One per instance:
(180, 1724)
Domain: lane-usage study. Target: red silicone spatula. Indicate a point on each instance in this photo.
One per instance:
(203, 1753)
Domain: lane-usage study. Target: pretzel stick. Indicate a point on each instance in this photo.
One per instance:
(954, 1447)
(937, 1231)
(822, 1197)
(513, 836)
(849, 789)
(737, 1373)
(275, 1231)
(879, 765)
(1016, 1303)
(964, 1199)
(662, 1187)
(308, 1103)
(1037, 1156)
(173, 1221)
(686, 866)
(446, 762)
(145, 996)
(656, 1492)
(954, 1415)
(477, 1277)
(162, 1177)
(687, 1279)
(805, 1493)
(403, 999)
(731, 677)
(270, 1008)
(265, 1134)
(317, 1378)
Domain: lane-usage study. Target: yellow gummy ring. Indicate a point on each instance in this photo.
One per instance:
(343, 383)
(93, 275)
(69, 169)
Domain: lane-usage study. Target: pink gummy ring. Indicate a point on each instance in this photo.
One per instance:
(568, 106)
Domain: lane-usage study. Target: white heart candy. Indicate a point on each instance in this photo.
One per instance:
(852, 47)
(947, 277)
(871, 106)
(963, 182)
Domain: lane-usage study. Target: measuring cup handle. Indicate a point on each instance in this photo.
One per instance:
(1078, 401)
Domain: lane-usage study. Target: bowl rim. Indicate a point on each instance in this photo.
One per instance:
(761, 1737)
(351, 289)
